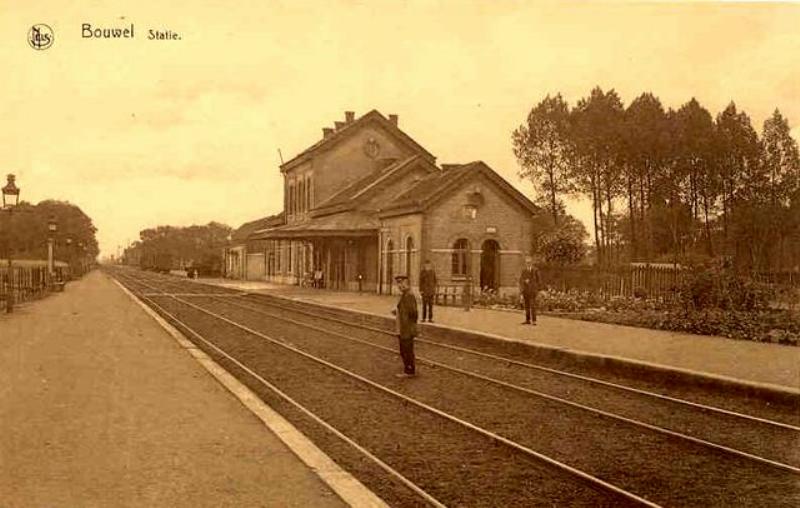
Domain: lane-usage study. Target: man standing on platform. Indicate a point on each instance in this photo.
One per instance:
(406, 313)
(528, 288)
(427, 288)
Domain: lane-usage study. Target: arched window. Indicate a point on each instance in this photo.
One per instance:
(409, 251)
(460, 256)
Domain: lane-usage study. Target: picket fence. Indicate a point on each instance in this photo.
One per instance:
(648, 281)
(28, 280)
(656, 281)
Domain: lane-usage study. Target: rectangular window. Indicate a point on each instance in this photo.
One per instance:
(459, 259)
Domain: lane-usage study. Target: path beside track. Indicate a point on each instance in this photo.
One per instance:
(435, 390)
(99, 406)
(750, 362)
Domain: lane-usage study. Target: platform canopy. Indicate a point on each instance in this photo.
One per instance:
(348, 224)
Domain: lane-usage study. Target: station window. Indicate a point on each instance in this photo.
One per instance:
(460, 255)
(409, 253)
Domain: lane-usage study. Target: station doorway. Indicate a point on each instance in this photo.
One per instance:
(490, 265)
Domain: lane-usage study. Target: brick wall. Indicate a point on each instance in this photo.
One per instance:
(399, 229)
(446, 222)
(335, 169)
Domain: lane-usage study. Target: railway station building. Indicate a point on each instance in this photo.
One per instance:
(367, 202)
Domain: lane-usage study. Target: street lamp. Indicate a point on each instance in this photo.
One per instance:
(52, 227)
(82, 258)
(68, 242)
(226, 255)
(10, 193)
(10, 200)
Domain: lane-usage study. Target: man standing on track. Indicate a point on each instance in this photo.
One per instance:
(427, 288)
(406, 313)
(528, 288)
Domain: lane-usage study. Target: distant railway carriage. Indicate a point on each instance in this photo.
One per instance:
(157, 261)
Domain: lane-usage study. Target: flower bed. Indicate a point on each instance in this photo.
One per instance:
(780, 326)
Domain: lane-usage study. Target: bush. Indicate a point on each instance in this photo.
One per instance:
(780, 327)
(718, 287)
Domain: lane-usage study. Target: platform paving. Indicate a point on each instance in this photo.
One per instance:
(99, 406)
(751, 362)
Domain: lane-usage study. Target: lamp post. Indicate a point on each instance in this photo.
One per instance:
(52, 227)
(226, 253)
(10, 200)
(82, 258)
(70, 263)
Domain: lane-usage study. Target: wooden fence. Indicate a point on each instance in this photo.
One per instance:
(786, 279)
(651, 281)
(28, 280)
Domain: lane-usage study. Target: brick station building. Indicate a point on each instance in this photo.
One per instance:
(367, 202)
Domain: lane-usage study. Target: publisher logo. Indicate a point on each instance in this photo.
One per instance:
(40, 36)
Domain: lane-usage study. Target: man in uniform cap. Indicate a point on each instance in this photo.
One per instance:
(528, 288)
(406, 313)
(427, 288)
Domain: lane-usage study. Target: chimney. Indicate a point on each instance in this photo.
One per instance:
(326, 131)
(393, 119)
(338, 125)
(349, 116)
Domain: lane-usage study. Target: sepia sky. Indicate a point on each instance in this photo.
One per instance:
(140, 132)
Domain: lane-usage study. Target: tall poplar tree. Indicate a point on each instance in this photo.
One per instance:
(543, 150)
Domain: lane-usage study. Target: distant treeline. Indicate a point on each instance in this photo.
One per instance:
(192, 246)
(24, 232)
(668, 185)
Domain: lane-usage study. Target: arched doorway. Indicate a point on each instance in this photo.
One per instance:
(490, 265)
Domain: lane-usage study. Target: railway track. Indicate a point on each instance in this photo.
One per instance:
(755, 462)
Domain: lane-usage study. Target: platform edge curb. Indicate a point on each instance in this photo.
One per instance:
(340, 481)
(766, 390)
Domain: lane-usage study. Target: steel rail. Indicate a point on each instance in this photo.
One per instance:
(512, 386)
(646, 393)
(624, 419)
(549, 370)
(592, 480)
(327, 426)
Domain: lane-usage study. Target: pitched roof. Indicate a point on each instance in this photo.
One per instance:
(348, 130)
(245, 230)
(340, 224)
(347, 197)
(437, 185)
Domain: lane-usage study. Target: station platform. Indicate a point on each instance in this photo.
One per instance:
(772, 365)
(100, 406)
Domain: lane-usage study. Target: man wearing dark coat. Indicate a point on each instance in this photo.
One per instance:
(529, 282)
(406, 313)
(427, 288)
